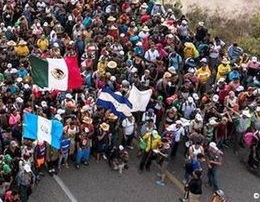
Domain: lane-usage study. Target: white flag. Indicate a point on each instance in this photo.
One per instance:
(139, 99)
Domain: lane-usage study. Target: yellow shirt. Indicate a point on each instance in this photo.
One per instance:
(43, 44)
(155, 141)
(22, 50)
(223, 71)
(203, 75)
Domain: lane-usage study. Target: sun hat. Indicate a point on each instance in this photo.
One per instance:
(246, 113)
(225, 61)
(112, 64)
(112, 116)
(212, 122)
(201, 23)
(111, 18)
(87, 120)
(146, 29)
(104, 126)
(144, 5)
(22, 42)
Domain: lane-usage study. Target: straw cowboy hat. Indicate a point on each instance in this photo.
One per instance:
(111, 18)
(11, 43)
(112, 116)
(104, 126)
(22, 42)
(135, 1)
(87, 120)
(145, 29)
(225, 61)
(112, 64)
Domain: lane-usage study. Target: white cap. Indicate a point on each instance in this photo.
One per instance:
(254, 59)
(121, 147)
(198, 117)
(204, 60)
(195, 96)
(69, 96)
(190, 99)
(19, 99)
(215, 98)
(19, 79)
(213, 145)
(26, 86)
(60, 111)
(9, 65)
(113, 78)
(44, 104)
(56, 45)
(27, 168)
(58, 117)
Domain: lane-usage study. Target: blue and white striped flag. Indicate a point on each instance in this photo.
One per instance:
(118, 104)
(39, 128)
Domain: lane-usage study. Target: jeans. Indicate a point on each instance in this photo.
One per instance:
(82, 155)
(212, 172)
(63, 158)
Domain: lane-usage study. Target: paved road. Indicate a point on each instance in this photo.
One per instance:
(97, 182)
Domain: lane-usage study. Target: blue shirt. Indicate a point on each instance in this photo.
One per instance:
(65, 146)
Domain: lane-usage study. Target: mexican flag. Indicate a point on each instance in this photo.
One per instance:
(60, 74)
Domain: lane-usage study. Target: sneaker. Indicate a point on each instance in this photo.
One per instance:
(77, 166)
(159, 182)
(85, 163)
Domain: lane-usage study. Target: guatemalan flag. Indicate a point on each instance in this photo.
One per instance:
(118, 104)
(39, 128)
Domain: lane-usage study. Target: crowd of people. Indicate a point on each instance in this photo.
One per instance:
(205, 92)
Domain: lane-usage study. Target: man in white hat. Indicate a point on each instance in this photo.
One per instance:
(188, 107)
(177, 131)
(129, 129)
(213, 160)
(243, 123)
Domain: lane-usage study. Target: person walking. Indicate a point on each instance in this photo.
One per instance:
(153, 140)
(213, 160)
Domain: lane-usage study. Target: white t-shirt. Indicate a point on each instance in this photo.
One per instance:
(128, 126)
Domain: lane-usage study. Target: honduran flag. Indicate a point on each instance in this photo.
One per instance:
(39, 128)
(60, 74)
(118, 104)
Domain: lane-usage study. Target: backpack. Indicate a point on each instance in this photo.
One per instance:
(250, 138)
